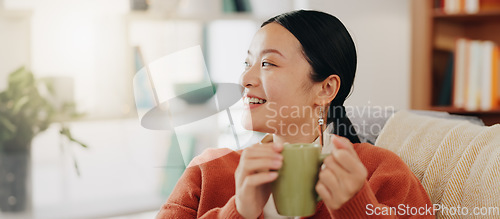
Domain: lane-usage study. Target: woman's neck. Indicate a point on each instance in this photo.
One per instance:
(298, 138)
(307, 134)
(280, 139)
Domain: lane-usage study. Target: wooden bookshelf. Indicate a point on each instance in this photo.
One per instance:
(434, 36)
(455, 110)
(489, 117)
(461, 17)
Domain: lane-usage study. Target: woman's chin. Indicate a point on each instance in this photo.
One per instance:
(248, 125)
(252, 123)
(246, 121)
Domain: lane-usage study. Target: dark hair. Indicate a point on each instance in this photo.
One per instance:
(330, 50)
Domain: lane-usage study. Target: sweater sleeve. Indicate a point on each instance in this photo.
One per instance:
(184, 200)
(391, 191)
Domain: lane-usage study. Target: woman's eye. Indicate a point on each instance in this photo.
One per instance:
(267, 64)
(247, 64)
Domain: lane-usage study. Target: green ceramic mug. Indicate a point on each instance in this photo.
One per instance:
(294, 190)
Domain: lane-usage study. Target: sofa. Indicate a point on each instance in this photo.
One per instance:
(456, 158)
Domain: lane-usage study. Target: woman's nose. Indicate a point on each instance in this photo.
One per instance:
(250, 77)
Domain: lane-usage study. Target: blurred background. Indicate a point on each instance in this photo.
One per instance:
(90, 51)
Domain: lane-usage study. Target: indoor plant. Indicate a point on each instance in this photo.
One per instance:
(25, 112)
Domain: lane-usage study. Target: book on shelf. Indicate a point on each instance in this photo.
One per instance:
(466, 6)
(476, 75)
(444, 98)
(461, 52)
(486, 83)
(470, 6)
(495, 74)
(473, 76)
(458, 6)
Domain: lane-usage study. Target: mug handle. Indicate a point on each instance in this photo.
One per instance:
(321, 158)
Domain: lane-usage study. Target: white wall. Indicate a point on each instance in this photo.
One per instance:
(14, 43)
(382, 33)
(85, 40)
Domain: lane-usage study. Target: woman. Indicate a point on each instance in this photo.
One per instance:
(299, 70)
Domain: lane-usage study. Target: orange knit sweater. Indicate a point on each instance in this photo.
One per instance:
(206, 189)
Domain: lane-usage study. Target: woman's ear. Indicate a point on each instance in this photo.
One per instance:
(328, 90)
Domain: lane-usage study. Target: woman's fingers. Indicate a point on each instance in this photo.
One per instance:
(346, 160)
(335, 169)
(260, 152)
(346, 156)
(342, 176)
(330, 187)
(259, 158)
(343, 143)
(329, 179)
(252, 177)
(258, 179)
(348, 183)
(323, 192)
(260, 165)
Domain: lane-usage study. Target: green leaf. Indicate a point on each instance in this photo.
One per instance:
(79, 142)
(11, 128)
(66, 132)
(19, 104)
(21, 78)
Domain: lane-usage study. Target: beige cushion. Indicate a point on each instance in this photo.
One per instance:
(457, 162)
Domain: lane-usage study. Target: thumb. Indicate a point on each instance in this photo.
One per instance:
(342, 143)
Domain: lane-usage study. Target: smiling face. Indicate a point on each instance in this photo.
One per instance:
(279, 94)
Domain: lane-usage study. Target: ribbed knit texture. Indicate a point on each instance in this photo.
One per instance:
(207, 187)
(457, 162)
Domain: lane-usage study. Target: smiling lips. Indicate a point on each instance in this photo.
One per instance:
(253, 102)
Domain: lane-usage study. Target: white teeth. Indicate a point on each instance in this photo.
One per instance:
(253, 100)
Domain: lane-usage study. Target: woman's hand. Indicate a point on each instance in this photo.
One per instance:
(342, 174)
(253, 177)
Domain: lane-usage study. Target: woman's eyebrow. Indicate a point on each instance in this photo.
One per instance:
(268, 51)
